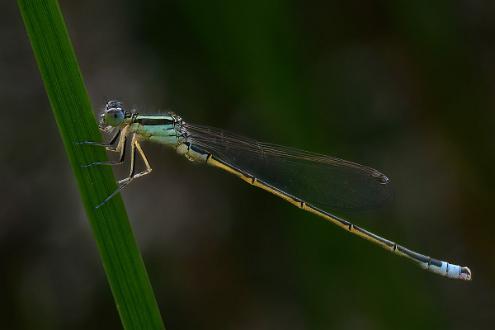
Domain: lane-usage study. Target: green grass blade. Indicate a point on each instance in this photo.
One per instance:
(71, 107)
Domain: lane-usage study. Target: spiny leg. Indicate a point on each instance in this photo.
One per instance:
(145, 160)
(135, 146)
(112, 162)
(121, 147)
(110, 145)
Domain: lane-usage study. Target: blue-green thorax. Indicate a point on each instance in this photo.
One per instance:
(156, 128)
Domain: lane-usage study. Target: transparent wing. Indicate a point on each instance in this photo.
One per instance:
(323, 181)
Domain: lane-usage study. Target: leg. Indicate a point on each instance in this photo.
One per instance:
(145, 160)
(132, 176)
(135, 146)
(109, 145)
(120, 148)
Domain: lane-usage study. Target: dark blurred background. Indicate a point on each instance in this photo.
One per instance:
(404, 86)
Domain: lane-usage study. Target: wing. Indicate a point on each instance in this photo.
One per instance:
(326, 182)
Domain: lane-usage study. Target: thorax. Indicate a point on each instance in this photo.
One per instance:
(156, 128)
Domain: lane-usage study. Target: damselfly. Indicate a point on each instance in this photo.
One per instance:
(313, 182)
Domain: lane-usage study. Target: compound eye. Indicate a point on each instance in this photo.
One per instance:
(114, 117)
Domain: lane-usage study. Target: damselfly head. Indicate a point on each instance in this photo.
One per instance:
(113, 115)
